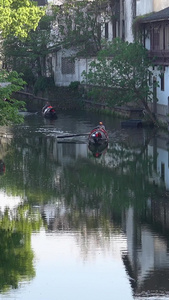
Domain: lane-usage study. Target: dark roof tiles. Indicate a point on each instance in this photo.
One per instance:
(157, 16)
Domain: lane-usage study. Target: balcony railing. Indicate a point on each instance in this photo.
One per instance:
(160, 57)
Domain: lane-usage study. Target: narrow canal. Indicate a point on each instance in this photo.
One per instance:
(77, 226)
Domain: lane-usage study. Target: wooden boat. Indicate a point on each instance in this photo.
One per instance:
(98, 136)
(49, 112)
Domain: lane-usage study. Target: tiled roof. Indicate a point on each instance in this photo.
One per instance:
(157, 16)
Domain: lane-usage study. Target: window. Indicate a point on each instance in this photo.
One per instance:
(114, 29)
(155, 39)
(150, 79)
(49, 66)
(106, 30)
(56, 58)
(163, 171)
(123, 30)
(68, 65)
(162, 80)
(167, 37)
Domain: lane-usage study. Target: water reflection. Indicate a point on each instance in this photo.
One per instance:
(116, 205)
(16, 261)
(147, 258)
(2, 167)
(98, 150)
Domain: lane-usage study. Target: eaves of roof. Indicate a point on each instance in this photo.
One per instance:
(161, 15)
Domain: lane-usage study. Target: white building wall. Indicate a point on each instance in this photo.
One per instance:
(59, 78)
(163, 95)
(148, 6)
(163, 158)
(160, 4)
(65, 79)
(144, 7)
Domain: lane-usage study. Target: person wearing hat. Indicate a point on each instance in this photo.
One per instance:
(101, 125)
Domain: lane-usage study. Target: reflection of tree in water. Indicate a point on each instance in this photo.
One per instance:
(96, 233)
(95, 196)
(33, 172)
(91, 230)
(96, 186)
(94, 193)
(16, 260)
(30, 171)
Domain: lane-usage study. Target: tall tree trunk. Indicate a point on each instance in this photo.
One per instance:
(150, 113)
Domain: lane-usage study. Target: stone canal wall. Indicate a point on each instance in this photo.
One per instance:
(61, 98)
(64, 98)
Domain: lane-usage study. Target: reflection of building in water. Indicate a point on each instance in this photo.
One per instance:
(86, 228)
(54, 216)
(158, 149)
(68, 152)
(8, 202)
(147, 257)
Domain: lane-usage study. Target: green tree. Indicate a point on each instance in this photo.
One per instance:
(80, 25)
(9, 83)
(18, 17)
(120, 74)
(29, 54)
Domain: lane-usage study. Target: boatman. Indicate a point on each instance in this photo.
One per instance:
(46, 106)
(101, 125)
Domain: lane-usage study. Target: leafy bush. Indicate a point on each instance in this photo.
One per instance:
(74, 85)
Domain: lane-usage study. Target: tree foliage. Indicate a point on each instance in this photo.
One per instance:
(18, 17)
(80, 25)
(9, 83)
(28, 56)
(121, 71)
(16, 261)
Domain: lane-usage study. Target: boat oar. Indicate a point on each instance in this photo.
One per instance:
(72, 135)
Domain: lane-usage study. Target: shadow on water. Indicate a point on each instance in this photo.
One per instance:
(122, 194)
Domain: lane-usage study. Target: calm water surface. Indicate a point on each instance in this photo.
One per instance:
(73, 226)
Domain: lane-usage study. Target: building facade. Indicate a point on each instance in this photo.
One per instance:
(155, 29)
(155, 33)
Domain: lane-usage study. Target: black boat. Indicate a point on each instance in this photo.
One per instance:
(49, 112)
(98, 136)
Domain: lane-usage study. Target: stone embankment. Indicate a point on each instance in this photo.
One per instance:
(62, 98)
(65, 98)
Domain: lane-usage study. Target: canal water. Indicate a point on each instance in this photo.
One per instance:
(79, 225)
